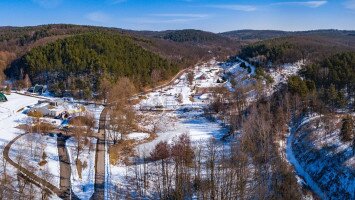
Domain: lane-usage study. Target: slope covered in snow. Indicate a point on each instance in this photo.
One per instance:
(325, 162)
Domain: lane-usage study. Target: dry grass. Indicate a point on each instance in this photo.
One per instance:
(121, 151)
(44, 127)
(42, 163)
(79, 167)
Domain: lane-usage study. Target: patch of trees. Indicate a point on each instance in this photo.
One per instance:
(5, 59)
(261, 54)
(333, 80)
(77, 63)
(190, 35)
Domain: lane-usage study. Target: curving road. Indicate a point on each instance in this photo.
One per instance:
(62, 192)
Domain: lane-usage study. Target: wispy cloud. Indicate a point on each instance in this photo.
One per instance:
(169, 18)
(158, 21)
(188, 15)
(350, 4)
(48, 3)
(236, 7)
(311, 4)
(98, 16)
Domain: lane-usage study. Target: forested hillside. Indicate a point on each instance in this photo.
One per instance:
(291, 49)
(15, 42)
(190, 35)
(332, 80)
(81, 62)
(270, 34)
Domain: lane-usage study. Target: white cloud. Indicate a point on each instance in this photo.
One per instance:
(187, 15)
(99, 17)
(350, 4)
(311, 4)
(48, 3)
(169, 18)
(236, 7)
(159, 21)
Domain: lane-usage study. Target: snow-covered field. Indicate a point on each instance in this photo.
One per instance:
(28, 152)
(182, 105)
(181, 92)
(178, 109)
(39, 153)
(10, 116)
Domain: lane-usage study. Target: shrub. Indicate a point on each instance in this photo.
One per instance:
(347, 129)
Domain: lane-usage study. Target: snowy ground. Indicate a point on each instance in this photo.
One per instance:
(324, 162)
(13, 114)
(182, 104)
(243, 78)
(10, 116)
(281, 74)
(179, 109)
(28, 151)
(176, 109)
(83, 184)
(182, 92)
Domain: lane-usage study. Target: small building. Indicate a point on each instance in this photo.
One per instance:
(38, 89)
(2, 97)
(57, 109)
(47, 110)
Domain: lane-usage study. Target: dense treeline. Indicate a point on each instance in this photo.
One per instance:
(269, 34)
(30, 34)
(331, 80)
(311, 48)
(81, 62)
(263, 54)
(190, 35)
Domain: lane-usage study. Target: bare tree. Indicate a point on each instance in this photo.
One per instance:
(122, 115)
(104, 87)
(27, 81)
(190, 77)
(79, 131)
(122, 122)
(156, 76)
(162, 153)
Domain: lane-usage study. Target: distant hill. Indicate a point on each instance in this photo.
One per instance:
(191, 35)
(255, 34)
(311, 47)
(269, 34)
(16, 42)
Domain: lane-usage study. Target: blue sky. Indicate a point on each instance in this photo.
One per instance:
(210, 15)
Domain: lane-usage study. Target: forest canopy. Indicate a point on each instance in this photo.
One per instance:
(331, 81)
(80, 62)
